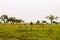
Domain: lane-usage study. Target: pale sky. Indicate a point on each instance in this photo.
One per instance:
(30, 10)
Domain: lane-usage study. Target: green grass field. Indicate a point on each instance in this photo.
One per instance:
(29, 32)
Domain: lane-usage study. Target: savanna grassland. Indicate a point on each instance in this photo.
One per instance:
(29, 32)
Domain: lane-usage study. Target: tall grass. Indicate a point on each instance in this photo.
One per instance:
(29, 32)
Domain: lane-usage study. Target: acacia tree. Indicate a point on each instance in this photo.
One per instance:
(56, 17)
(4, 18)
(51, 18)
(38, 22)
(44, 22)
(12, 19)
(19, 20)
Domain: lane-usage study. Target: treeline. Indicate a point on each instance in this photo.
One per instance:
(11, 20)
(14, 20)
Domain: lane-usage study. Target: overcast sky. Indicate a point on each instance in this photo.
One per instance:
(30, 10)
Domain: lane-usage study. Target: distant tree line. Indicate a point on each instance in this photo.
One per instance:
(50, 17)
(12, 20)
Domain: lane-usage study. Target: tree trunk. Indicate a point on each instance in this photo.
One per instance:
(4, 22)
